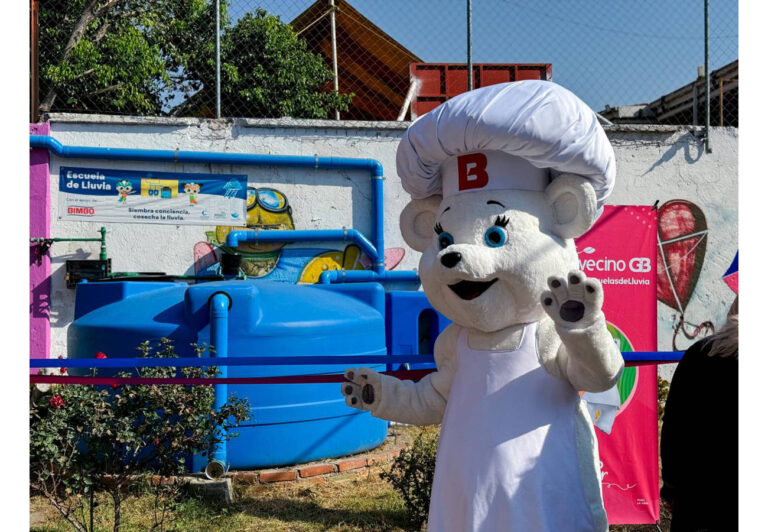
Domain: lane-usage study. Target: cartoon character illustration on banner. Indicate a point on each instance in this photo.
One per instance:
(192, 190)
(124, 188)
(502, 179)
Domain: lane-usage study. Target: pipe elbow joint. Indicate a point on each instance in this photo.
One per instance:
(234, 238)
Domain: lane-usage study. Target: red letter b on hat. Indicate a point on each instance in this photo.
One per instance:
(472, 172)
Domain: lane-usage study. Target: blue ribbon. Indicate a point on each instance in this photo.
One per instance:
(350, 360)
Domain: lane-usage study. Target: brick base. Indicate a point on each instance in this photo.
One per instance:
(315, 472)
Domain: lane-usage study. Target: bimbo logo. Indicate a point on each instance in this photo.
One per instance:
(472, 172)
(82, 211)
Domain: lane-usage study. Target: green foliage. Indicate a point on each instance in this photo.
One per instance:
(116, 56)
(412, 473)
(662, 393)
(267, 71)
(88, 438)
(143, 56)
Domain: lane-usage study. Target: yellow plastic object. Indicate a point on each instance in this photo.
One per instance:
(349, 259)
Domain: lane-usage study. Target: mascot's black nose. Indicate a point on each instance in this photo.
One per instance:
(450, 260)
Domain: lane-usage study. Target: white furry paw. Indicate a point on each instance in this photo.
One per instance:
(362, 389)
(575, 302)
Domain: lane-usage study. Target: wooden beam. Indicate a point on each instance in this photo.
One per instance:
(34, 69)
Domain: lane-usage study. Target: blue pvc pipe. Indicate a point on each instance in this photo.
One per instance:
(243, 235)
(377, 197)
(219, 325)
(371, 166)
(358, 276)
(352, 360)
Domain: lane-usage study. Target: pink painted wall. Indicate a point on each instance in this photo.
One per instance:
(39, 226)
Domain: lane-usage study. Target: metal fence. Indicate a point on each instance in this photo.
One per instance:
(633, 62)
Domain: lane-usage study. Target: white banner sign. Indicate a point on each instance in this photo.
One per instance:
(111, 195)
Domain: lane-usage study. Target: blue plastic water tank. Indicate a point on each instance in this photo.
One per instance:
(290, 423)
(413, 325)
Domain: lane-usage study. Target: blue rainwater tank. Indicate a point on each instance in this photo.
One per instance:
(290, 423)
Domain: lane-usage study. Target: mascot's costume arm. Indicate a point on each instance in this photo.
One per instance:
(415, 403)
(574, 342)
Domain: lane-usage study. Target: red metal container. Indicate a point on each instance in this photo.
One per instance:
(441, 81)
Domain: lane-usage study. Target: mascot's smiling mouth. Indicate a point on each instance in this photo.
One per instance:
(471, 289)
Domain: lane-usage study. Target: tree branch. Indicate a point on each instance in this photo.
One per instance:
(105, 89)
(65, 512)
(90, 13)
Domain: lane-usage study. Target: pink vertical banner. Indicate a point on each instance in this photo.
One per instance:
(620, 251)
(39, 266)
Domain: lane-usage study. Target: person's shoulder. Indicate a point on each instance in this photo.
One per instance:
(694, 359)
(697, 351)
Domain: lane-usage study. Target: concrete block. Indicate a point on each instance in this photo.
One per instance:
(219, 490)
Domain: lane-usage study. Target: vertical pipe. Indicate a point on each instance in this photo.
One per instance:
(334, 53)
(470, 80)
(218, 59)
(707, 147)
(103, 251)
(377, 183)
(218, 309)
(34, 86)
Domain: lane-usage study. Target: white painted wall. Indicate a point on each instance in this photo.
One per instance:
(654, 163)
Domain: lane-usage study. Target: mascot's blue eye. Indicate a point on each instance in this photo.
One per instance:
(444, 240)
(495, 236)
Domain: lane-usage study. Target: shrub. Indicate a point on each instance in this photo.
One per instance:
(91, 438)
(412, 473)
(662, 390)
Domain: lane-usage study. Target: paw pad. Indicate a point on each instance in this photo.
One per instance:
(572, 311)
(368, 394)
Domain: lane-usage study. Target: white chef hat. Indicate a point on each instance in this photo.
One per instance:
(516, 135)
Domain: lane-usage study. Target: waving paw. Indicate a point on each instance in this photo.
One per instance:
(362, 389)
(575, 302)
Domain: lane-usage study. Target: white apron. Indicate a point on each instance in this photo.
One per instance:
(507, 457)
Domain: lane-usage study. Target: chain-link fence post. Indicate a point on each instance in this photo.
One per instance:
(708, 148)
(218, 59)
(334, 53)
(470, 84)
(34, 62)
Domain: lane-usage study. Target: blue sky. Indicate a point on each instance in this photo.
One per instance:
(614, 52)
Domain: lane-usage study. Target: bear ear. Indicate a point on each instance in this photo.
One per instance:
(574, 204)
(417, 222)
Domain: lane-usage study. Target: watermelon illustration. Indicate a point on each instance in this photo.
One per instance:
(628, 381)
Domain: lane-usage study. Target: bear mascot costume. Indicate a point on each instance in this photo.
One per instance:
(502, 179)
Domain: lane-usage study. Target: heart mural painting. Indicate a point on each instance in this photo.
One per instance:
(682, 239)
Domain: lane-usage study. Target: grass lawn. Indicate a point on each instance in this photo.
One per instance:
(348, 501)
(353, 501)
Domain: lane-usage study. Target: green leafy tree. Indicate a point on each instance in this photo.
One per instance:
(267, 71)
(145, 56)
(125, 441)
(119, 56)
